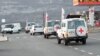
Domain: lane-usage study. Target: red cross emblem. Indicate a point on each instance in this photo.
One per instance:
(81, 30)
(92, 11)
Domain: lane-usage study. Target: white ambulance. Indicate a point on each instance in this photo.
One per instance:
(73, 29)
(51, 27)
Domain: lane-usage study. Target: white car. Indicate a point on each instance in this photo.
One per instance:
(11, 28)
(36, 29)
(73, 29)
(51, 27)
(28, 26)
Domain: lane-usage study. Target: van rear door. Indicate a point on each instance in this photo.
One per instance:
(71, 28)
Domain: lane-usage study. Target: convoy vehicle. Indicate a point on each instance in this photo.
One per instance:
(11, 28)
(72, 29)
(28, 26)
(36, 29)
(51, 27)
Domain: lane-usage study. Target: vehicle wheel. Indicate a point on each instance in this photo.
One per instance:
(18, 31)
(31, 34)
(84, 41)
(26, 31)
(44, 36)
(47, 37)
(77, 41)
(11, 32)
(66, 42)
(59, 41)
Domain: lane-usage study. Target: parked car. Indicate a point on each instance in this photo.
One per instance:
(11, 28)
(36, 29)
(28, 26)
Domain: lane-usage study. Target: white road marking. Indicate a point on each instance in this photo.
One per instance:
(98, 55)
(76, 48)
(90, 53)
(70, 46)
(10, 39)
(39, 36)
(82, 50)
(17, 37)
(95, 38)
(24, 37)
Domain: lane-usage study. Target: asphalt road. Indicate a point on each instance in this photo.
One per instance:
(26, 45)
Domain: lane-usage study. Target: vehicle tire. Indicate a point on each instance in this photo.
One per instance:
(46, 36)
(11, 32)
(33, 33)
(66, 42)
(18, 31)
(59, 41)
(84, 41)
(26, 32)
(77, 41)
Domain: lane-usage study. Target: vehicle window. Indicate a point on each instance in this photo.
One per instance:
(9, 26)
(38, 26)
(71, 25)
(57, 22)
(74, 24)
(79, 23)
(63, 25)
(52, 23)
(30, 24)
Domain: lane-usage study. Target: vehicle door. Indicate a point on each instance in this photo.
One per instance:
(50, 26)
(71, 28)
(63, 29)
(14, 28)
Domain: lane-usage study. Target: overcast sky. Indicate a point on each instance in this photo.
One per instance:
(33, 9)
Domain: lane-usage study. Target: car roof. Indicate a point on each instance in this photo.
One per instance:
(29, 22)
(73, 19)
(36, 25)
(52, 20)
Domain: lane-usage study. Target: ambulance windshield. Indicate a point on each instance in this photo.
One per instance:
(75, 23)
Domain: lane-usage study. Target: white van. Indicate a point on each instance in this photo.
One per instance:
(11, 28)
(28, 26)
(73, 29)
(51, 27)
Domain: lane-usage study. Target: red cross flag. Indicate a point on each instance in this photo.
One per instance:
(81, 31)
